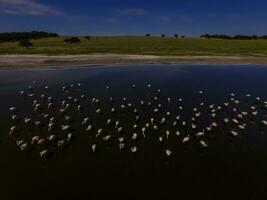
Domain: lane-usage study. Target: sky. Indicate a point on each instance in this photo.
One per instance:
(135, 17)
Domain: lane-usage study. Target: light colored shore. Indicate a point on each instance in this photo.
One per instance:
(43, 61)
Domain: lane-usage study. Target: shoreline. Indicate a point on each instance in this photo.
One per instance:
(45, 61)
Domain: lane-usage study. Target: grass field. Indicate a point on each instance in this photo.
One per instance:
(142, 45)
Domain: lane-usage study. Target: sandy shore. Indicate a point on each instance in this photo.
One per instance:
(41, 61)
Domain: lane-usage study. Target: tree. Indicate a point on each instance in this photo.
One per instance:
(176, 35)
(227, 37)
(72, 40)
(88, 37)
(206, 36)
(17, 36)
(254, 37)
(25, 43)
(162, 35)
(148, 35)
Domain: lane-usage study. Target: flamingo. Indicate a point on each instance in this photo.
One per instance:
(199, 134)
(117, 123)
(13, 129)
(143, 131)
(106, 138)
(122, 146)
(41, 142)
(226, 120)
(12, 109)
(134, 136)
(27, 120)
(167, 134)
(135, 126)
(89, 128)
(156, 110)
(186, 139)
(65, 127)
(23, 146)
(120, 129)
(234, 133)
(134, 149)
(99, 132)
(214, 124)
(94, 148)
(208, 128)
(203, 143)
(178, 133)
(108, 122)
(69, 137)
(242, 127)
(85, 121)
(168, 152)
(35, 139)
(43, 153)
(51, 137)
(264, 122)
(255, 113)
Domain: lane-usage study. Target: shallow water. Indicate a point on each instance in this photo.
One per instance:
(229, 168)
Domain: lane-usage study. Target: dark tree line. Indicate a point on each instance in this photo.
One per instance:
(17, 36)
(236, 37)
(72, 40)
(163, 35)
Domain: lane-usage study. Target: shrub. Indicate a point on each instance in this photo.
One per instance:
(25, 43)
(72, 40)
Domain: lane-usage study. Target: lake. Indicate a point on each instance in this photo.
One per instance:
(228, 167)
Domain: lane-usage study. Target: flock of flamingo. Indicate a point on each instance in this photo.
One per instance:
(122, 121)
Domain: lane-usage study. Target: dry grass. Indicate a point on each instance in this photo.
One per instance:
(142, 45)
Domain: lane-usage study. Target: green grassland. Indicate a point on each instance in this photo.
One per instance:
(142, 45)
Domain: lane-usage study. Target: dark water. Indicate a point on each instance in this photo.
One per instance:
(229, 168)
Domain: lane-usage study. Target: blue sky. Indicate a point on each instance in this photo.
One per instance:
(135, 17)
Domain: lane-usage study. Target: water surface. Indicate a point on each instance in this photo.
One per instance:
(230, 168)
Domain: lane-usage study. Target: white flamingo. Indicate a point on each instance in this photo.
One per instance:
(199, 134)
(203, 143)
(134, 149)
(186, 139)
(168, 152)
